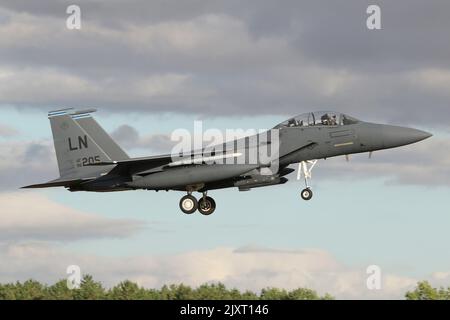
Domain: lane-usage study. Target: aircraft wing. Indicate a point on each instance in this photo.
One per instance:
(140, 165)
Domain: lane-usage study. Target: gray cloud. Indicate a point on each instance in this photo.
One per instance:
(126, 135)
(129, 138)
(26, 162)
(36, 152)
(7, 131)
(211, 57)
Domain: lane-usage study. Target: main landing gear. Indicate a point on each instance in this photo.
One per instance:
(188, 204)
(305, 169)
(205, 205)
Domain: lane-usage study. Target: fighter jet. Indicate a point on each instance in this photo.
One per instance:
(90, 160)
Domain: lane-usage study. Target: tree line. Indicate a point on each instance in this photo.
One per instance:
(127, 290)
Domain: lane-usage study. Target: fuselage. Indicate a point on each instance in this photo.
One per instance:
(296, 143)
(309, 136)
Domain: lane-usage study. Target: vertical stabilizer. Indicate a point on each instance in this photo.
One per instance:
(75, 149)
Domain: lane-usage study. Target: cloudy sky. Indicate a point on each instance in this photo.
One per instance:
(151, 67)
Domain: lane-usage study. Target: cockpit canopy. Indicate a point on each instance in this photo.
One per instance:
(319, 118)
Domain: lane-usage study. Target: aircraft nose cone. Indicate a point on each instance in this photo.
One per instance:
(422, 135)
(395, 136)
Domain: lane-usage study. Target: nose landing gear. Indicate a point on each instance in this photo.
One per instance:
(306, 194)
(305, 169)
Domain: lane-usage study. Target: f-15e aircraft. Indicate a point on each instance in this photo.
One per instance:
(90, 160)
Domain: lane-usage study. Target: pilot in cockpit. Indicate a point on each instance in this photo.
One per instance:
(325, 119)
(328, 120)
(333, 120)
(291, 123)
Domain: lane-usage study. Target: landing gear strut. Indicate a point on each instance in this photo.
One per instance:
(305, 168)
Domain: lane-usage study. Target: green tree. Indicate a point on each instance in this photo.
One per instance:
(215, 292)
(128, 290)
(303, 294)
(7, 292)
(274, 294)
(89, 290)
(249, 295)
(444, 294)
(59, 291)
(29, 290)
(181, 292)
(92, 290)
(424, 291)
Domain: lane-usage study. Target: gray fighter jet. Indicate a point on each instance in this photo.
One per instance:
(89, 159)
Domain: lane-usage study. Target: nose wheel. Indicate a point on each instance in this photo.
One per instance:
(306, 194)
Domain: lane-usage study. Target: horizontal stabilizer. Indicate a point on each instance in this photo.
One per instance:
(148, 162)
(57, 183)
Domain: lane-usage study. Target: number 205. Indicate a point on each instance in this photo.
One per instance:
(89, 160)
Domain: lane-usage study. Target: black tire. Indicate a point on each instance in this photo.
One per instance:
(206, 206)
(306, 194)
(188, 204)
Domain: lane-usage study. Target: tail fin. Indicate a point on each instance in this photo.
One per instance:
(111, 148)
(79, 143)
